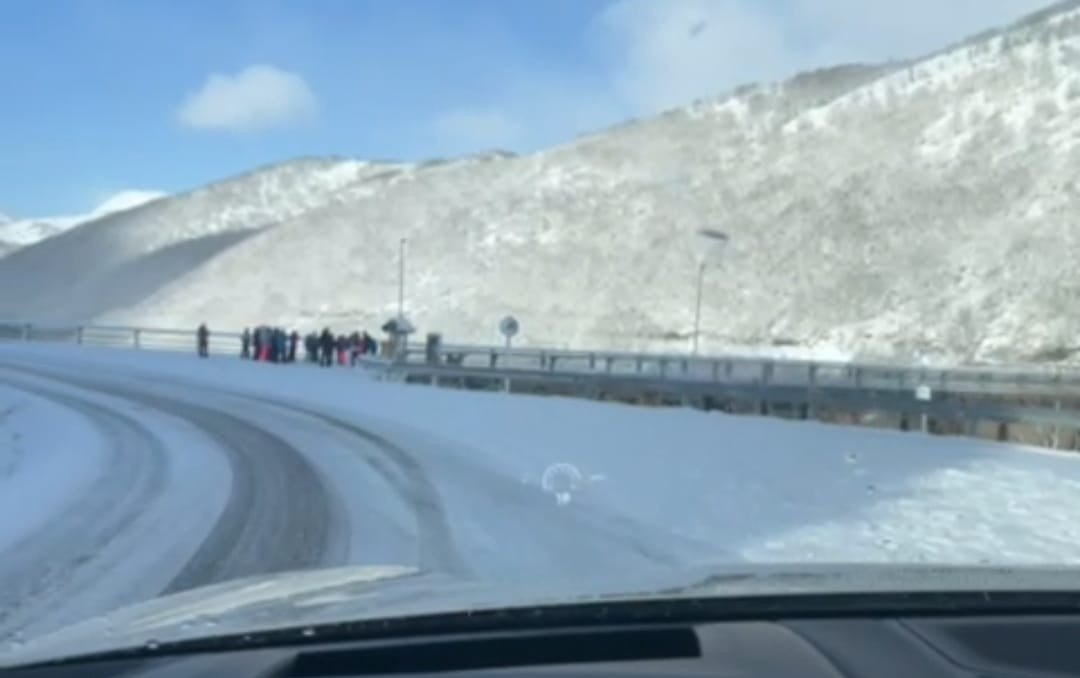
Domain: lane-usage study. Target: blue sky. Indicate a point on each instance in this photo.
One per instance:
(100, 96)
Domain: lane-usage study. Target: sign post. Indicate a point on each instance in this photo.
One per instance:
(509, 327)
(924, 394)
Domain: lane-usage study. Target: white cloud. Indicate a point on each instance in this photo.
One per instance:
(257, 98)
(660, 54)
(874, 31)
(665, 53)
(467, 131)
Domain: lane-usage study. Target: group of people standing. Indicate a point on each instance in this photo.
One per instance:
(276, 345)
(326, 349)
(269, 344)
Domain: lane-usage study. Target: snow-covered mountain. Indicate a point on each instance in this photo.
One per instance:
(21, 232)
(115, 261)
(903, 209)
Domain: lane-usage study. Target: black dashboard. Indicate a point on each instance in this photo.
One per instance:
(938, 646)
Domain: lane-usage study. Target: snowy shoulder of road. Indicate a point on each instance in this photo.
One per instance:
(723, 487)
(48, 456)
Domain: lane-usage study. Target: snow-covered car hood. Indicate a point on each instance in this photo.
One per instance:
(306, 600)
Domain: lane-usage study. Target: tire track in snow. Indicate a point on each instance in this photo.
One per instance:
(609, 537)
(613, 537)
(277, 517)
(37, 572)
(436, 550)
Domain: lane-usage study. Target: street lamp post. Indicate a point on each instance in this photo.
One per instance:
(697, 305)
(401, 279)
(718, 239)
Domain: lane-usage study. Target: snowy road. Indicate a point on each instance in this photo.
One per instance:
(273, 514)
(194, 485)
(127, 474)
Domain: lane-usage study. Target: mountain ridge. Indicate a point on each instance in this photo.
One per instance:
(875, 210)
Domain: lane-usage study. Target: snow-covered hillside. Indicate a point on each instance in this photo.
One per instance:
(16, 233)
(903, 209)
(115, 261)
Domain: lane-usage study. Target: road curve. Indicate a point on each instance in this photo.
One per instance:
(38, 571)
(315, 485)
(278, 515)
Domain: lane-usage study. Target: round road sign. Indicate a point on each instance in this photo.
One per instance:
(509, 326)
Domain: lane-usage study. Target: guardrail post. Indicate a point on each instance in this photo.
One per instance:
(494, 358)
(592, 361)
(663, 367)
(858, 377)
(551, 363)
(78, 334)
(766, 372)
(137, 338)
(1057, 427)
(609, 360)
(685, 366)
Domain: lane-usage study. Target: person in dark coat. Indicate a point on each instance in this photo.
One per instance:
(355, 348)
(326, 343)
(245, 344)
(281, 343)
(341, 345)
(203, 337)
(311, 347)
(294, 339)
(371, 347)
(257, 343)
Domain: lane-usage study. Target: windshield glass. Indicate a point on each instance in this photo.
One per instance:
(517, 300)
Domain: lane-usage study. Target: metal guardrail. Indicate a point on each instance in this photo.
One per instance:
(156, 339)
(1024, 380)
(1003, 380)
(973, 393)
